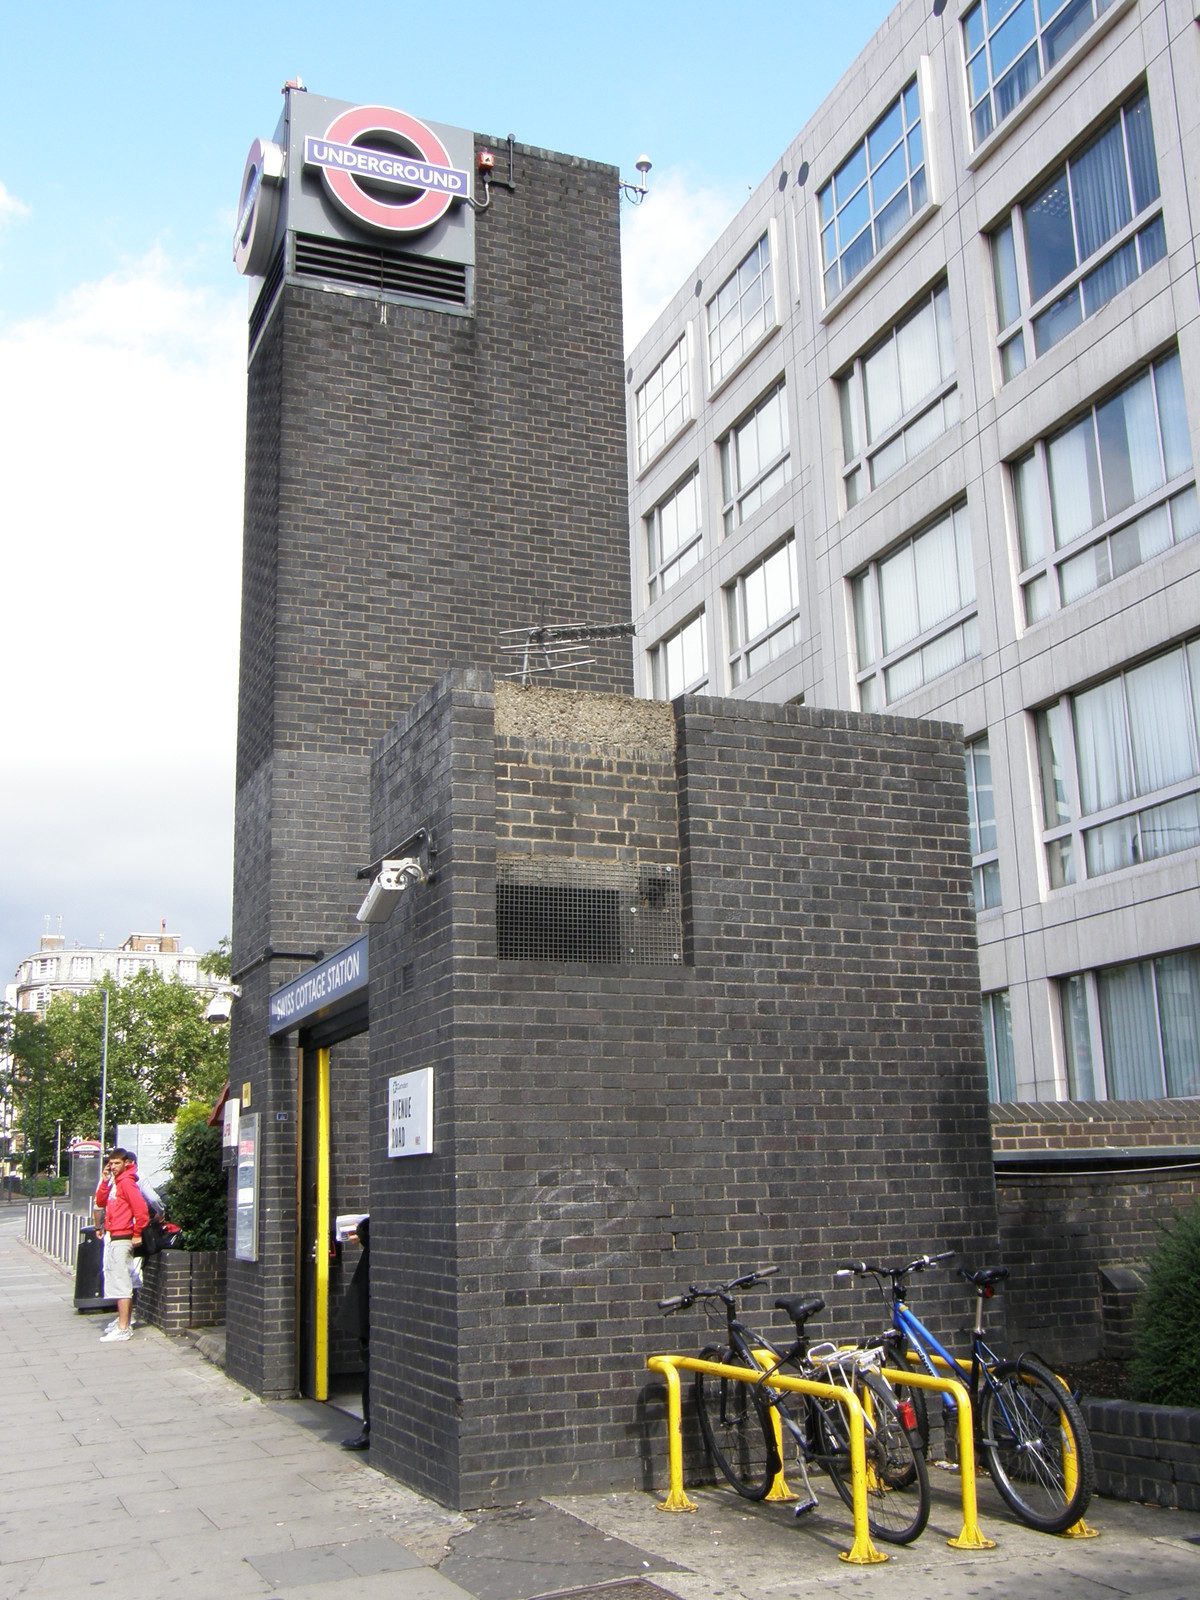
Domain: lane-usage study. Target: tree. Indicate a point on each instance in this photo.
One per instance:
(216, 962)
(161, 1053)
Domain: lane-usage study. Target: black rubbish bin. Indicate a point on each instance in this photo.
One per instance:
(89, 1274)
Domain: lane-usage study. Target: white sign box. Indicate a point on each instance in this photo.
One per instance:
(410, 1114)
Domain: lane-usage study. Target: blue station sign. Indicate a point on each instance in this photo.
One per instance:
(332, 985)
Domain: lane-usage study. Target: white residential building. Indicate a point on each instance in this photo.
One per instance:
(54, 969)
(918, 437)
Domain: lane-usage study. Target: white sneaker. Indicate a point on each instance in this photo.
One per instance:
(134, 1322)
(116, 1336)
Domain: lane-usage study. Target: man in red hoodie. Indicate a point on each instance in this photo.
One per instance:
(121, 1214)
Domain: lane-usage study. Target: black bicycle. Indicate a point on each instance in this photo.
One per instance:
(736, 1417)
(1028, 1428)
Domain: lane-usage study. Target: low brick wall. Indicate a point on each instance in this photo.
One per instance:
(1146, 1453)
(183, 1289)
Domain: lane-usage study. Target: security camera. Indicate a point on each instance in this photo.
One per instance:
(220, 1007)
(393, 879)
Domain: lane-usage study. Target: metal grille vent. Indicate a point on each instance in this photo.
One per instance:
(266, 298)
(592, 911)
(369, 266)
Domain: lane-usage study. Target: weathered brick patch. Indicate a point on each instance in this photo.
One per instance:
(183, 1289)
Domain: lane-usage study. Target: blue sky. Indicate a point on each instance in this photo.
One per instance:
(123, 134)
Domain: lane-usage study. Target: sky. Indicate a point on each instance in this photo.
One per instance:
(123, 135)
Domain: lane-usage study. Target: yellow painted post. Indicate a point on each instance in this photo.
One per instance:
(970, 1537)
(779, 1486)
(321, 1243)
(677, 1499)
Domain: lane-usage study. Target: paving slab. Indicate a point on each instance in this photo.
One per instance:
(148, 1447)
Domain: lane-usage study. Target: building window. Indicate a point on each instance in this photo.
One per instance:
(914, 612)
(755, 463)
(45, 967)
(740, 312)
(997, 1046)
(1133, 1032)
(1085, 236)
(674, 538)
(679, 663)
(81, 969)
(1104, 752)
(763, 609)
(899, 397)
(1009, 48)
(873, 193)
(1107, 493)
(985, 864)
(663, 403)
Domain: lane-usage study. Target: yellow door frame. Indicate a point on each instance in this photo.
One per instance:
(321, 1242)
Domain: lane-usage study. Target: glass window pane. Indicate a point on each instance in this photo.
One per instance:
(1109, 278)
(887, 462)
(1169, 828)
(881, 381)
(1030, 509)
(1178, 982)
(1077, 1039)
(850, 176)
(1100, 187)
(1143, 166)
(1057, 321)
(936, 566)
(848, 407)
(999, 1031)
(1102, 747)
(1063, 31)
(864, 618)
(892, 175)
(1012, 358)
(973, 28)
(1185, 516)
(1010, 40)
(917, 357)
(1049, 238)
(1017, 82)
(1177, 444)
(1129, 453)
(1004, 273)
(1129, 1029)
(898, 599)
(1053, 741)
(1160, 723)
(1076, 501)
(884, 135)
(1037, 600)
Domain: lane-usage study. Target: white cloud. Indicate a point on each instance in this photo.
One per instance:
(121, 461)
(663, 239)
(11, 209)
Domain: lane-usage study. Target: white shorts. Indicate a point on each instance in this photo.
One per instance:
(118, 1278)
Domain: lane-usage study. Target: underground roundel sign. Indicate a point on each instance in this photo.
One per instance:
(386, 170)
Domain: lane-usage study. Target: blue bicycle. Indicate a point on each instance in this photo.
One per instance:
(1028, 1429)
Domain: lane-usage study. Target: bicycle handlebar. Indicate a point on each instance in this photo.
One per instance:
(679, 1302)
(861, 1269)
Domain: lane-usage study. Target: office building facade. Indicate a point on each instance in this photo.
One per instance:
(918, 438)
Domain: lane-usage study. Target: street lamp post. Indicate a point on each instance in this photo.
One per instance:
(104, 1075)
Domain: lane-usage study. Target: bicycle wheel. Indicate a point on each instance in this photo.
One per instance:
(898, 1497)
(1029, 1427)
(737, 1428)
(915, 1397)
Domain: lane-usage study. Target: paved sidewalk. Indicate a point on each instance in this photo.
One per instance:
(141, 1465)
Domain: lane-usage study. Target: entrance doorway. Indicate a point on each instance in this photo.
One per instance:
(333, 1183)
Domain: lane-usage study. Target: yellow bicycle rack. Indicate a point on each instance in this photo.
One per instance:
(862, 1553)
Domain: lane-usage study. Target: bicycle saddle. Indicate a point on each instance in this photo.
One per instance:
(800, 1307)
(985, 1277)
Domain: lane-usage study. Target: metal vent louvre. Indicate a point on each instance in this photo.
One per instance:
(369, 266)
(587, 911)
(266, 298)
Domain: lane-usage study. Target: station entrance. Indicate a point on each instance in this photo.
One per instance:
(327, 1008)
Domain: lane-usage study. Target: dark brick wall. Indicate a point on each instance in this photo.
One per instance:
(1064, 1231)
(808, 1085)
(417, 481)
(1146, 1453)
(183, 1289)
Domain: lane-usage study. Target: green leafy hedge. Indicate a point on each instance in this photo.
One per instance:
(1165, 1369)
(195, 1193)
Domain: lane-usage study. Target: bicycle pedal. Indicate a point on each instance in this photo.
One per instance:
(799, 1511)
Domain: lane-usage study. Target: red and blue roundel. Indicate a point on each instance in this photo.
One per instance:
(347, 158)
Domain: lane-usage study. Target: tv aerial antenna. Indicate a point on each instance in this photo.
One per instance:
(558, 647)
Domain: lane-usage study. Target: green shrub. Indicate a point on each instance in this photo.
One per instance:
(1165, 1369)
(194, 1195)
(189, 1115)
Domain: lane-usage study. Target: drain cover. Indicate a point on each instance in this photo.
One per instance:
(619, 1589)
